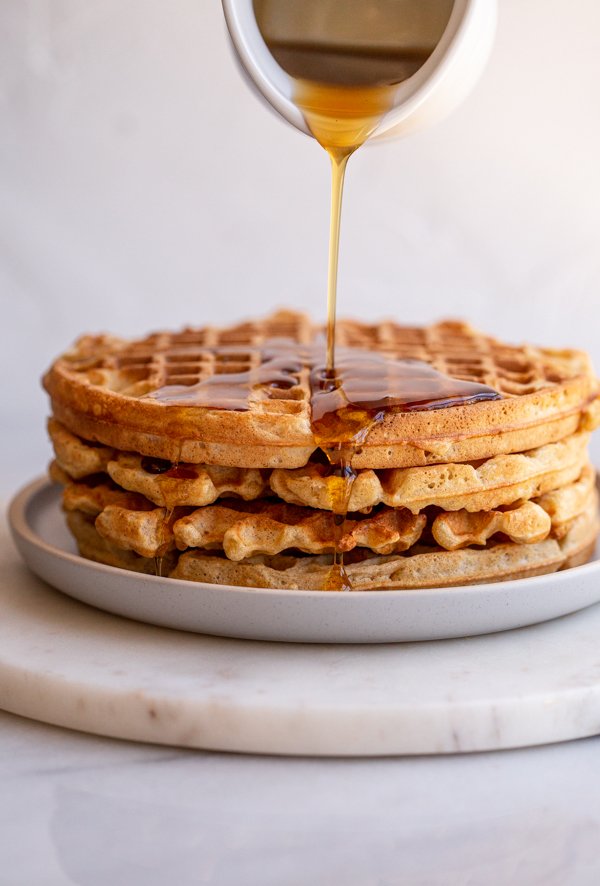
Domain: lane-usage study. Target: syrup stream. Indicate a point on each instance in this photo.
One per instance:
(338, 172)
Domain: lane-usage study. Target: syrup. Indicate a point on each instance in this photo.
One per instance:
(341, 118)
(155, 465)
(182, 472)
(365, 386)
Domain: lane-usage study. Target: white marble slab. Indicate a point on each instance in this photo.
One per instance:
(68, 664)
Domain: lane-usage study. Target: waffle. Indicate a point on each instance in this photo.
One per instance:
(106, 390)
(93, 547)
(200, 454)
(243, 530)
(426, 567)
(75, 457)
(500, 480)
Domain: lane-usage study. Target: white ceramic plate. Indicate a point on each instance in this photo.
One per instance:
(292, 616)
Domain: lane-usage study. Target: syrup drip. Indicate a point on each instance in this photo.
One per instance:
(155, 465)
(182, 472)
(168, 469)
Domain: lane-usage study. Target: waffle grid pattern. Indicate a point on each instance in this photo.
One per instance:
(458, 351)
(195, 355)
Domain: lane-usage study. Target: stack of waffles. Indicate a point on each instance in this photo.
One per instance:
(180, 454)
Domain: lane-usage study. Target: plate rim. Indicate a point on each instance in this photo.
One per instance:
(20, 527)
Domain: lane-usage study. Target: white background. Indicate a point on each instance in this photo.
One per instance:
(142, 185)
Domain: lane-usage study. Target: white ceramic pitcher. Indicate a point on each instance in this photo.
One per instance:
(442, 81)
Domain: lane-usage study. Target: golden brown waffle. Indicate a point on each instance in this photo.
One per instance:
(425, 568)
(422, 569)
(202, 485)
(281, 527)
(101, 390)
(93, 547)
(77, 458)
(500, 480)
(562, 505)
(243, 530)
(497, 481)
(526, 523)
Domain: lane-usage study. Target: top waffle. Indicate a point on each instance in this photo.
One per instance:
(110, 391)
